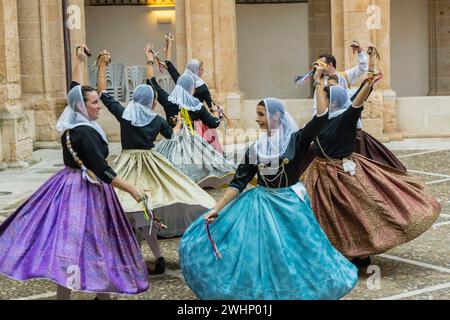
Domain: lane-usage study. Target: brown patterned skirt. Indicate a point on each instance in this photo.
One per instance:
(371, 148)
(377, 209)
(367, 146)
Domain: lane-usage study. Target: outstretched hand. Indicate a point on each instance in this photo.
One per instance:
(374, 79)
(104, 58)
(372, 51)
(319, 72)
(83, 52)
(170, 37)
(356, 47)
(138, 193)
(211, 216)
(149, 52)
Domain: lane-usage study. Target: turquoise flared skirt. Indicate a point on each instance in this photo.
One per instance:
(272, 248)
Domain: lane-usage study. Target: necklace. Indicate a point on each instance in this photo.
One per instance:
(280, 175)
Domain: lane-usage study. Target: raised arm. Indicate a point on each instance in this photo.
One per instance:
(114, 106)
(313, 127)
(103, 60)
(174, 74)
(321, 98)
(355, 74)
(149, 54)
(169, 45)
(373, 54)
(79, 64)
(365, 91)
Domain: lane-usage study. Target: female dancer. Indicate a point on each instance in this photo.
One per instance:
(73, 230)
(364, 206)
(175, 198)
(190, 153)
(196, 70)
(270, 242)
(365, 144)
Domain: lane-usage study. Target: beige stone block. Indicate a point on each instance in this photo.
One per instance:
(29, 31)
(357, 5)
(32, 84)
(319, 9)
(439, 122)
(32, 67)
(8, 128)
(28, 10)
(13, 91)
(46, 133)
(24, 125)
(224, 7)
(31, 49)
(202, 8)
(54, 12)
(44, 117)
(322, 26)
(234, 105)
(319, 41)
(21, 150)
(373, 126)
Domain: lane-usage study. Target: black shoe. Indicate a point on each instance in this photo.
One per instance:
(160, 266)
(361, 262)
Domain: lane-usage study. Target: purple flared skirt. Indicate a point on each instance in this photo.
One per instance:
(76, 234)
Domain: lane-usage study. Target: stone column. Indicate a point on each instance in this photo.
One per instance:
(77, 30)
(439, 47)
(15, 142)
(367, 21)
(319, 28)
(42, 65)
(210, 36)
(180, 37)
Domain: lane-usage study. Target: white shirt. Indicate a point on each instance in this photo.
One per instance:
(353, 75)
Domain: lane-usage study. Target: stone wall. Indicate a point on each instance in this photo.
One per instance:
(42, 63)
(368, 21)
(319, 28)
(16, 144)
(439, 47)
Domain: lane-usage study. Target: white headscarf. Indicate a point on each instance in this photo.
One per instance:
(350, 94)
(182, 94)
(339, 101)
(274, 146)
(139, 109)
(193, 69)
(76, 115)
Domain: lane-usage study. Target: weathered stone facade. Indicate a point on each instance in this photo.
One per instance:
(439, 47)
(33, 63)
(33, 76)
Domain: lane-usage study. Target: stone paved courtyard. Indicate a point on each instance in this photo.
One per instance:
(417, 270)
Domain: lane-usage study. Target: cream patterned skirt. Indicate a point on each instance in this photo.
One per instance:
(173, 197)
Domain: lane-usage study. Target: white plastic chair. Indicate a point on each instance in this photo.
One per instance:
(134, 77)
(115, 80)
(166, 82)
(93, 73)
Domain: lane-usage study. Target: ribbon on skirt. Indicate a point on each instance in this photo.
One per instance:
(213, 244)
(150, 216)
(188, 121)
